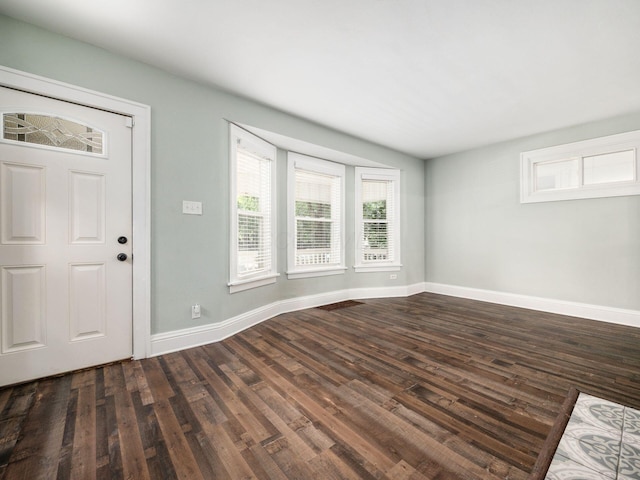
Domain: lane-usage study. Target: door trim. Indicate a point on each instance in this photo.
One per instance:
(140, 182)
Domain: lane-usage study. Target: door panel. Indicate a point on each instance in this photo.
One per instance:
(23, 204)
(87, 208)
(65, 189)
(87, 301)
(23, 312)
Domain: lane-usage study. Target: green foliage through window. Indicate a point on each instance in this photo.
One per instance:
(313, 209)
(376, 235)
(313, 234)
(374, 210)
(248, 203)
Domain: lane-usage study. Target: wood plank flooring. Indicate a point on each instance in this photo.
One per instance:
(424, 387)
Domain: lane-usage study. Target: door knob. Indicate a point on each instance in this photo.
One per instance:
(122, 240)
(122, 257)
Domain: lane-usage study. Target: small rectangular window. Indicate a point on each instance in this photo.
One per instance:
(252, 166)
(377, 219)
(316, 219)
(609, 168)
(601, 167)
(557, 175)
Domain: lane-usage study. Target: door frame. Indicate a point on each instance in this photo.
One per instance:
(140, 182)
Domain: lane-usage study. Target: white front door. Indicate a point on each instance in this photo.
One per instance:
(65, 237)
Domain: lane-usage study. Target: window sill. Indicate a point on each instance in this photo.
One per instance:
(581, 193)
(315, 272)
(241, 285)
(391, 267)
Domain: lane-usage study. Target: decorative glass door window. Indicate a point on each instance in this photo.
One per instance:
(53, 132)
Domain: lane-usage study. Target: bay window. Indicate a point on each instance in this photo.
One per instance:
(253, 254)
(377, 215)
(316, 217)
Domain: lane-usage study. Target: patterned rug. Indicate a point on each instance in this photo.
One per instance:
(601, 440)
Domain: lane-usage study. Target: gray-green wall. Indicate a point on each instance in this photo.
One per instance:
(478, 235)
(190, 260)
(462, 223)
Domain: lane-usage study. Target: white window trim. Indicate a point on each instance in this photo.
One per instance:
(311, 164)
(384, 174)
(237, 284)
(579, 150)
(241, 285)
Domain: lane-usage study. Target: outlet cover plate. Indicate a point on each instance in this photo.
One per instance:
(191, 208)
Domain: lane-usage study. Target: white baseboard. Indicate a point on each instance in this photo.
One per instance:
(593, 312)
(173, 341)
(176, 340)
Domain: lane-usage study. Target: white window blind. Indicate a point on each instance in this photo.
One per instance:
(316, 215)
(317, 219)
(252, 210)
(378, 219)
(377, 211)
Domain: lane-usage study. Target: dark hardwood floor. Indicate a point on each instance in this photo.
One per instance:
(425, 387)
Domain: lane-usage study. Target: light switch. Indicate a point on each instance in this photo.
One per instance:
(191, 208)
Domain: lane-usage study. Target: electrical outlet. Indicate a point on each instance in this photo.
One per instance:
(191, 208)
(393, 276)
(195, 311)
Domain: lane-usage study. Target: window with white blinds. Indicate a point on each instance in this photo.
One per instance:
(377, 219)
(253, 254)
(316, 217)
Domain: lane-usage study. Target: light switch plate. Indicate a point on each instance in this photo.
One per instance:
(191, 208)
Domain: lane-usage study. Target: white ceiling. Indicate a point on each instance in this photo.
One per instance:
(426, 77)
